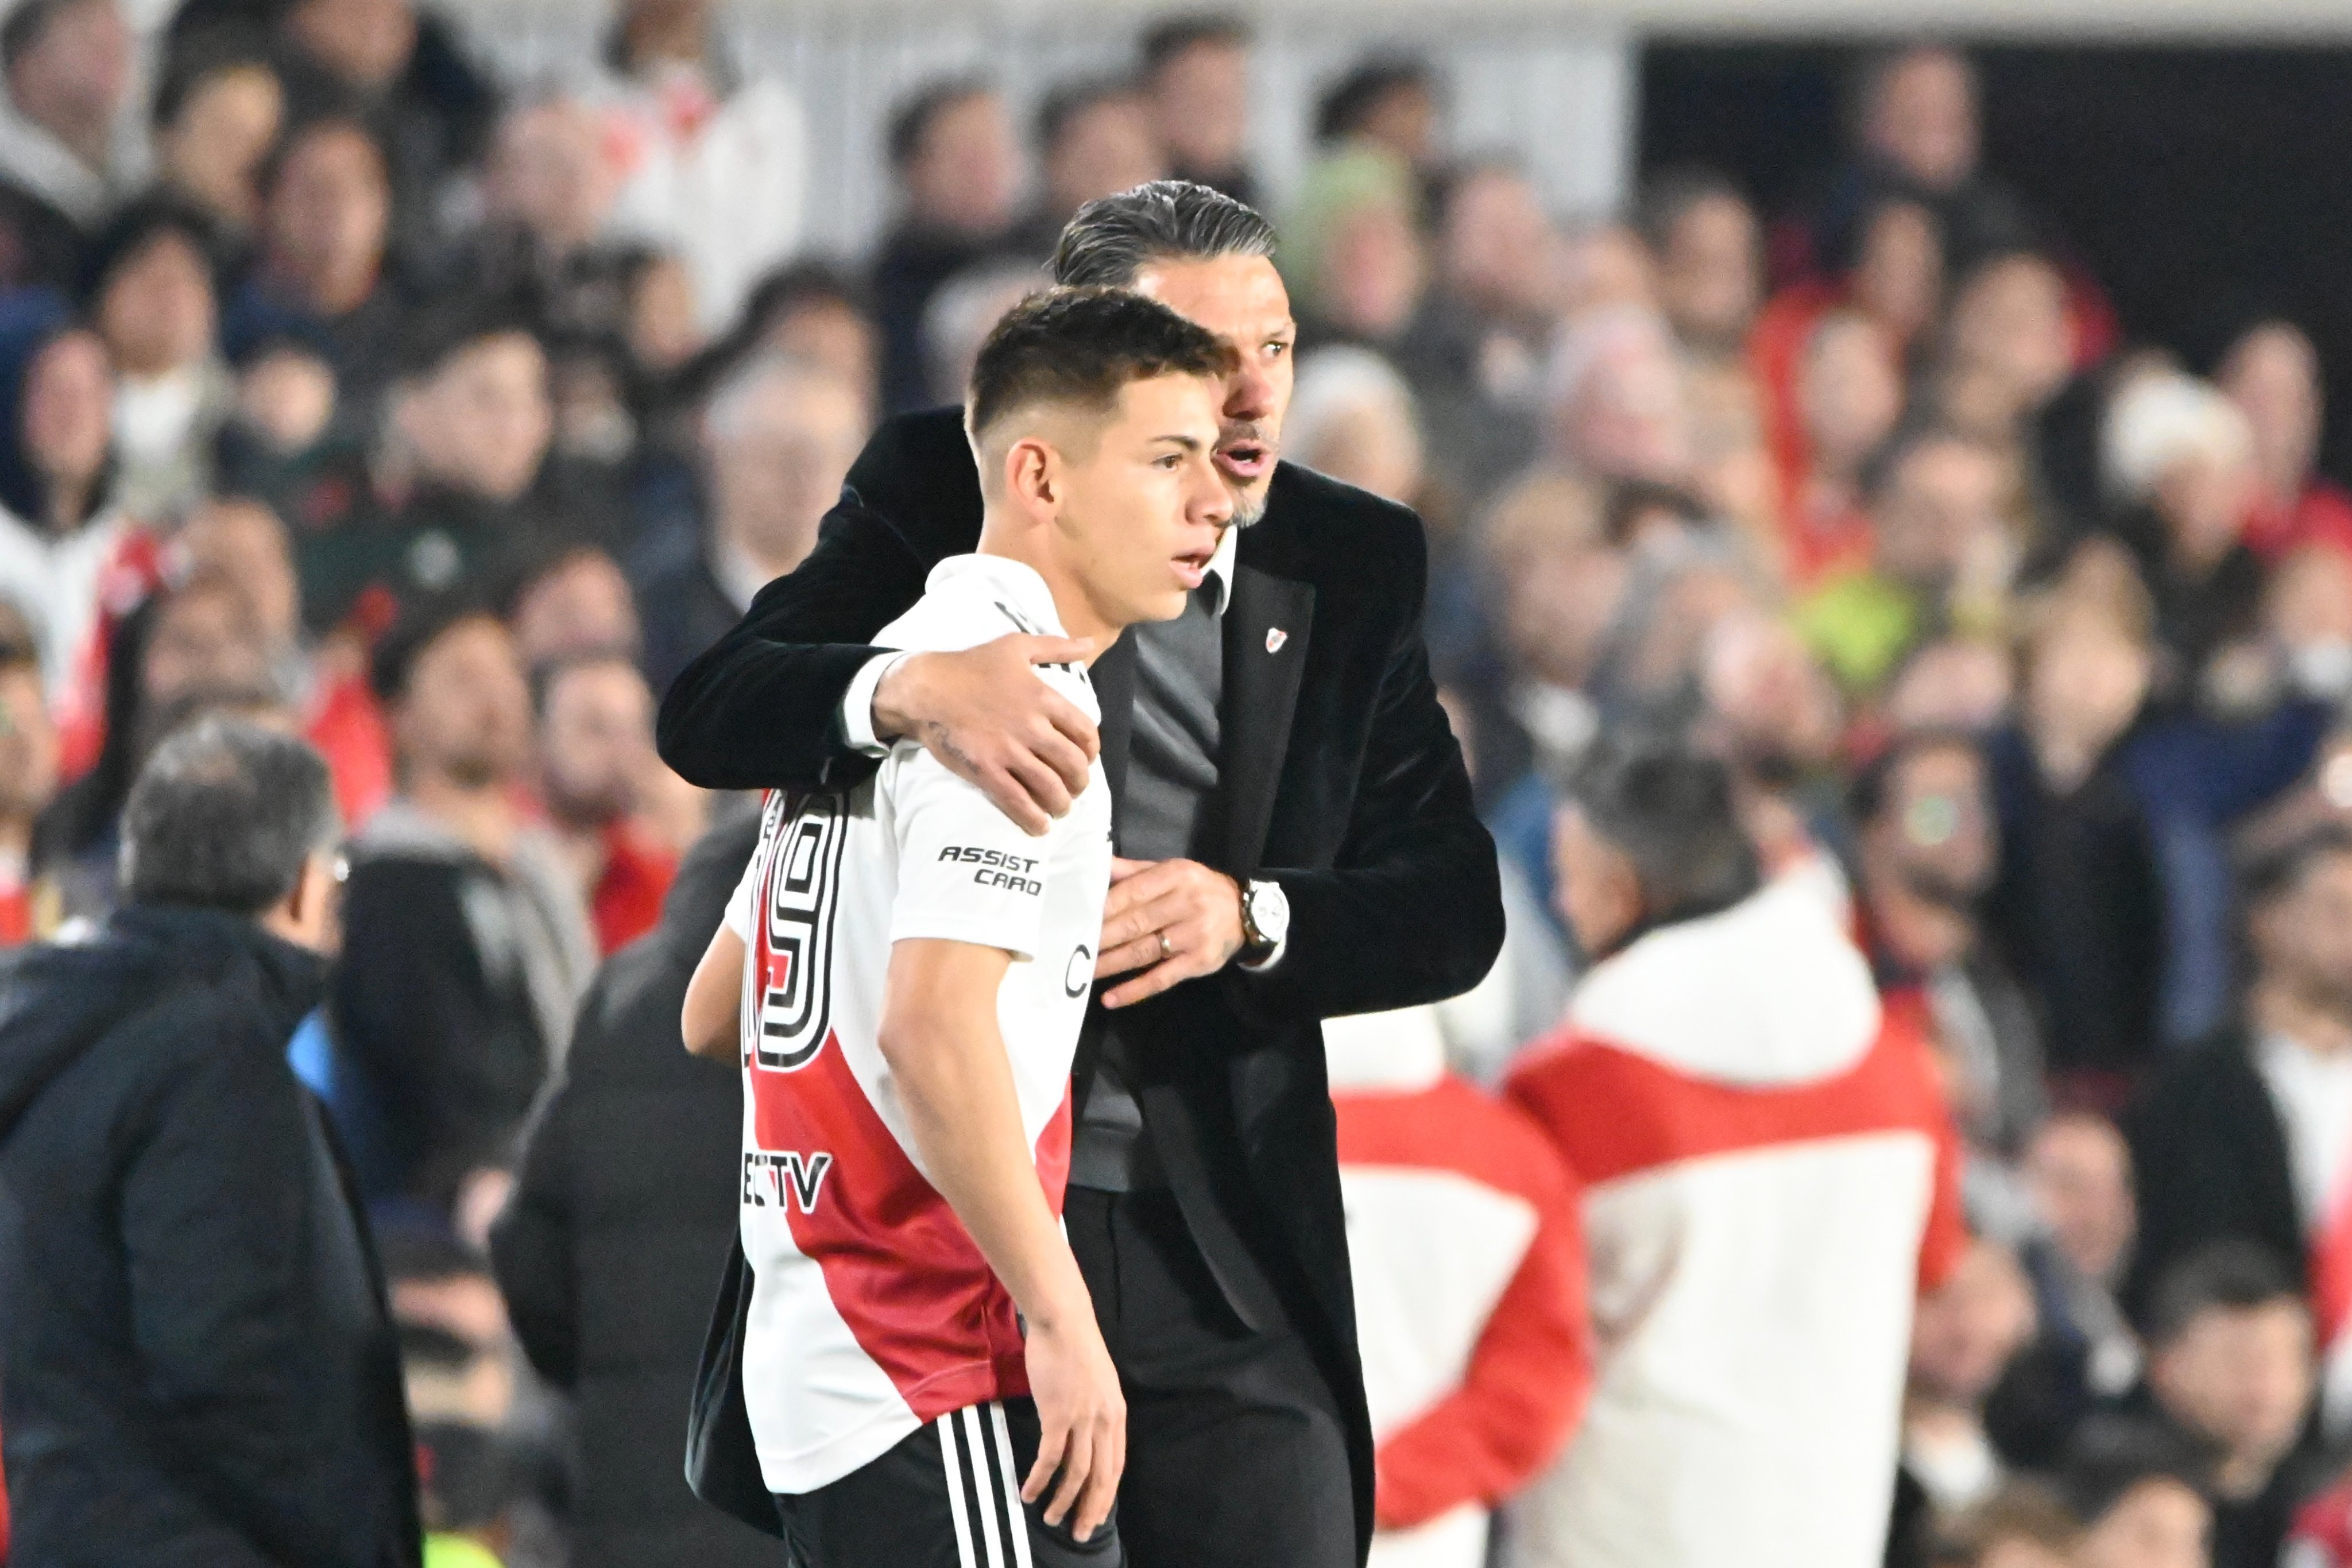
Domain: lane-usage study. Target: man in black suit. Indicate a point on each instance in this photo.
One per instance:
(1299, 843)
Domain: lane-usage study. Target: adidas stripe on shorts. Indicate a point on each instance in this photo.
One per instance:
(947, 1497)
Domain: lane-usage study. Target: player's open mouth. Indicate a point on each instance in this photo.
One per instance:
(1193, 569)
(1245, 460)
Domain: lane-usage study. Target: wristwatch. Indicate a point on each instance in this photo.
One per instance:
(1265, 922)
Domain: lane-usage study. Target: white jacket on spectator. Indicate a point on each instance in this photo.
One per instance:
(720, 182)
(1770, 1178)
(1469, 1280)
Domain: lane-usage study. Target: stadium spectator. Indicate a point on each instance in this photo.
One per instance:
(1391, 103)
(777, 439)
(472, 422)
(2230, 1364)
(403, 68)
(1618, 403)
(241, 539)
(62, 539)
(2180, 463)
(1849, 394)
(1724, 1082)
(1917, 130)
(467, 942)
(606, 1263)
(958, 165)
(714, 160)
(1094, 138)
(2140, 1490)
(1962, 1338)
(1475, 354)
(1195, 72)
(73, 146)
(201, 1365)
(2079, 903)
(813, 311)
(548, 187)
(2077, 1239)
(2007, 349)
(28, 781)
(1926, 847)
(1351, 248)
(1468, 1264)
(148, 290)
(570, 603)
(2271, 372)
(1710, 260)
(1939, 559)
(183, 649)
(961, 313)
(322, 275)
(2244, 1138)
(596, 759)
(1353, 417)
(218, 111)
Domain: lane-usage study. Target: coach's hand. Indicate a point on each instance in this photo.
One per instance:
(1179, 917)
(981, 712)
(1081, 1420)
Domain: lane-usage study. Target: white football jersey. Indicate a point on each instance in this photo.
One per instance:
(873, 1311)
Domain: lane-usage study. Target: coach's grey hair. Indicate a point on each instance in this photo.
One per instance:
(223, 816)
(1115, 237)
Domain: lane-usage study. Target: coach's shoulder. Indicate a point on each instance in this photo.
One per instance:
(916, 464)
(1336, 530)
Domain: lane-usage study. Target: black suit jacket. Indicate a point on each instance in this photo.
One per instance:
(2210, 1155)
(1341, 780)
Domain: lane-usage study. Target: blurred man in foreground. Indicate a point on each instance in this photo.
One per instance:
(1769, 1179)
(202, 1366)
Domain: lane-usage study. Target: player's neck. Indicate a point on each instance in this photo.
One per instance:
(1034, 547)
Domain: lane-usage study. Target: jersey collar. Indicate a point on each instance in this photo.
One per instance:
(1014, 587)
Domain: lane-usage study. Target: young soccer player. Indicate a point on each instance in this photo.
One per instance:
(904, 972)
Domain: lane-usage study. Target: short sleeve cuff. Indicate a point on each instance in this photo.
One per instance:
(857, 705)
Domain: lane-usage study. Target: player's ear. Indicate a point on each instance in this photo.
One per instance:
(1033, 478)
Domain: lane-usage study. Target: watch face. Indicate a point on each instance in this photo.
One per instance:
(1269, 910)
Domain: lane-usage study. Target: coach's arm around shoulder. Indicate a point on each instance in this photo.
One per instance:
(947, 1056)
(796, 698)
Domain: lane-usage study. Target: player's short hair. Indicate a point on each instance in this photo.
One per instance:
(1081, 347)
(1669, 810)
(1115, 237)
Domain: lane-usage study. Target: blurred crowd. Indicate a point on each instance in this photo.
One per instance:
(443, 419)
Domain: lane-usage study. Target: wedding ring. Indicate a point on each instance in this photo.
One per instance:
(1167, 948)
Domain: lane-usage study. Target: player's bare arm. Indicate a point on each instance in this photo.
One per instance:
(712, 1020)
(939, 1036)
(1024, 745)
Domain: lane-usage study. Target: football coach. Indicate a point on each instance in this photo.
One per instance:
(1296, 842)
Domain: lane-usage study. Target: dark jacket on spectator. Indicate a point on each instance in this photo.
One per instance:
(2209, 1153)
(456, 977)
(202, 1369)
(2114, 902)
(627, 1206)
(684, 611)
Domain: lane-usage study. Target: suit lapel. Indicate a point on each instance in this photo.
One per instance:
(1267, 622)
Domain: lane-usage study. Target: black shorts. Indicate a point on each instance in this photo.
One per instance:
(947, 1497)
